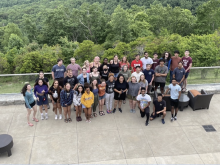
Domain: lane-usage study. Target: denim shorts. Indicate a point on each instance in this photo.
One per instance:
(83, 106)
(186, 75)
(102, 97)
(116, 75)
(42, 100)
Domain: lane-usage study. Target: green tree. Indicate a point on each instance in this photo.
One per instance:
(15, 41)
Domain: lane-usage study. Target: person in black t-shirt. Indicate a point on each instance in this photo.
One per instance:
(105, 62)
(71, 79)
(159, 108)
(104, 74)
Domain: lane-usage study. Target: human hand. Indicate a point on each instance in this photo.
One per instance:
(37, 98)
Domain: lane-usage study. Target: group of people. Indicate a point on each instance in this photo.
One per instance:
(109, 83)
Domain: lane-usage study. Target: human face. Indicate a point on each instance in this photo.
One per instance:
(124, 59)
(176, 54)
(94, 82)
(174, 82)
(70, 73)
(166, 55)
(87, 63)
(73, 61)
(96, 59)
(68, 87)
(40, 82)
(116, 58)
(133, 80)
(138, 69)
(121, 79)
(29, 87)
(186, 53)
(143, 92)
(88, 90)
(41, 75)
(84, 71)
(180, 65)
(155, 56)
(159, 98)
(105, 61)
(146, 55)
(80, 89)
(105, 67)
(137, 57)
(103, 83)
(148, 67)
(56, 83)
(161, 63)
(111, 78)
(95, 70)
(142, 77)
(60, 62)
(125, 68)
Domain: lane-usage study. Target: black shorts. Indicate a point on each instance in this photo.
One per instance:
(156, 115)
(174, 103)
(162, 85)
(32, 104)
(146, 111)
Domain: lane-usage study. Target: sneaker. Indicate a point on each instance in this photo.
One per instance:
(120, 110)
(175, 118)
(89, 121)
(134, 111)
(77, 119)
(42, 117)
(147, 123)
(46, 116)
(172, 119)
(163, 122)
(114, 110)
(60, 117)
(80, 119)
(55, 117)
(131, 110)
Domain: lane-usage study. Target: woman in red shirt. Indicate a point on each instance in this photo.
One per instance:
(123, 62)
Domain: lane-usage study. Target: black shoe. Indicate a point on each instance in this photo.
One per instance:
(152, 90)
(120, 110)
(146, 124)
(114, 110)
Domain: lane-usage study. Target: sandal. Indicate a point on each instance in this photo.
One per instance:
(100, 113)
(95, 114)
(30, 124)
(103, 113)
(70, 120)
(66, 120)
(124, 102)
(91, 116)
(34, 119)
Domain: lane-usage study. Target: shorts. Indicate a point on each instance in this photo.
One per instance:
(32, 104)
(131, 97)
(174, 103)
(181, 85)
(83, 106)
(116, 75)
(60, 80)
(43, 100)
(162, 85)
(186, 75)
(102, 97)
(156, 115)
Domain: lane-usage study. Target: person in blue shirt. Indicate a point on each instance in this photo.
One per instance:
(167, 57)
(29, 103)
(149, 76)
(175, 93)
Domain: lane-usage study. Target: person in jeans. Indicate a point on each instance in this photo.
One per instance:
(109, 95)
(160, 75)
(179, 74)
(59, 72)
(77, 101)
(175, 93)
(174, 63)
(102, 88)
(144, 101)
(95, 91)
(29, 103)
(159, 108)
(133, 90)
(187, 64)
(74, 67)
(149, 76)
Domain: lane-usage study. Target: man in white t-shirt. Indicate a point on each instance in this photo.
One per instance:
(146, 60)
(144, 101)
(137, 73)
(175, 93)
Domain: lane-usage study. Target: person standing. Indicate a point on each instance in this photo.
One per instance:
(149, 76)
(71, 79)
(124, 62)
(133, 90)
(95, 63)
(59, 72)
(87, 66)
(137, 73)
(144, 101)
(102, 88)
(179, 74)
(66, 99)
(187, 64)
(54, 93)
(74, 67)
(83, 77)
(136, 62)
(95, 91)
(29, 103)
(175, 93)
(115, 67)
(110, 84)
(155, 61)
(125, 72)
(104, 74)
(143, 82)
(105, 62)
(77, 101)
(174, 63)
(167, 58)
(95, 75)
(160, 75)
(120, 89)
(146, 60)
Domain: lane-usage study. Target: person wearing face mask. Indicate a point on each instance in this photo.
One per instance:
(84, 77)
(105, 62)
(104, 74)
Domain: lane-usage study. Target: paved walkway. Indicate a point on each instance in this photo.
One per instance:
(120, 138)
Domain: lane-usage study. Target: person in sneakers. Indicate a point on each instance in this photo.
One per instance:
(149, 76)
(144, 101)
(77, 101)
(155, 61)
(95, 91)
(133, 90)
(175, 93)
(120, 89)
(29, 103)
(102, 88)
(136, 62)
(159, 108)
(174, 63)
(54, 93)
(66, 99)
(109, 95)
(71, 79)
(40, 92)
(87, 100)
(187, 64)
(137, 73)
(104, 74)
(74, 67)
(179, 74)
(125, 72)
(59, 72)
(143, 83)
(146, 60)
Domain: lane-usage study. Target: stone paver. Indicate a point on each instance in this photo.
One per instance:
(120, 138)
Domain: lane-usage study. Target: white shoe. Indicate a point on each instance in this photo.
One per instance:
(42, 117)
(55, 117)
(46, 116)
(175, 118)
(172, 119)
(60, 117)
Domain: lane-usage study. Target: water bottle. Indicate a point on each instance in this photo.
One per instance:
(55, 95)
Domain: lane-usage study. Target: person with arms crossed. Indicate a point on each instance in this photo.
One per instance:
(179, 74)
(59, 72)
(159, 108)
(174, 63)
(187, 64)
(175, 93)
(146, 60)
(74, 67)
(136, 62)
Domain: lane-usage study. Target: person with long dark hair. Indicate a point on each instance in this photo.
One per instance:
(115, 66)
(95, 91)
(54, 93)
(40, 92)
(77, 101)
(95, 75)
(124, 62)
(167, 57)
(66, 99)
(29, 103)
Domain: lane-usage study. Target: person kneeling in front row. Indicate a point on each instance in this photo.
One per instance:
(159, 108)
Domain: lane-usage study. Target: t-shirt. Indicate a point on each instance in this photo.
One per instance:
(179, 73)
(104, 75)
(58, 71)
(75, 68)
(101, 89)
(144, 99)
(121, 86)
(146, 61)
(174, 91)
(110, 87)
(155, 63)
(174, 62)
(142, 84)
(126, 74)
(135, 63)
(186, 62)
(148, 74)
(162, 70)
(166, 62)
(54, 92)
(159, 106)
(72, 80)
(123, 64)
(45, 79)
(137, 75)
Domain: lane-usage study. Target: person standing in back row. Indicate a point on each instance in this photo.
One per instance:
(187, 64)
(115, 67)
(74, 67)
(146, 60)
(59, 72)
(174, 63)
(136, 62)
(155, 61)
(179, 74)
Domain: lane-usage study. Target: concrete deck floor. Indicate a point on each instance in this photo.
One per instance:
(120, 138)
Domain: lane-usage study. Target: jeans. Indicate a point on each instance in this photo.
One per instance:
(96, 102)
(109, 100)
(171, 76)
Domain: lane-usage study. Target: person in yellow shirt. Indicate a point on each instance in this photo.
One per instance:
(87, 100)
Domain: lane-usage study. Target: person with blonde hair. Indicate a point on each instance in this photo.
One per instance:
(95, 63)
(74, 67)
(143, 82)
(87, 66)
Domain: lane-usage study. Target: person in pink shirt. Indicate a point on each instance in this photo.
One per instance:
(124, 62)
(74, 67)
(187, 64)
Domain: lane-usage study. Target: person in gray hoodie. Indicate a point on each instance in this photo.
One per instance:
(133, 90)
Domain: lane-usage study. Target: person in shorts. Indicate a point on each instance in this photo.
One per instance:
(175, 93)
(159, 108)
(59, 72)
(160, 75)
(144, 101)
(102, 88)
(187, 64)
(179, 74)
